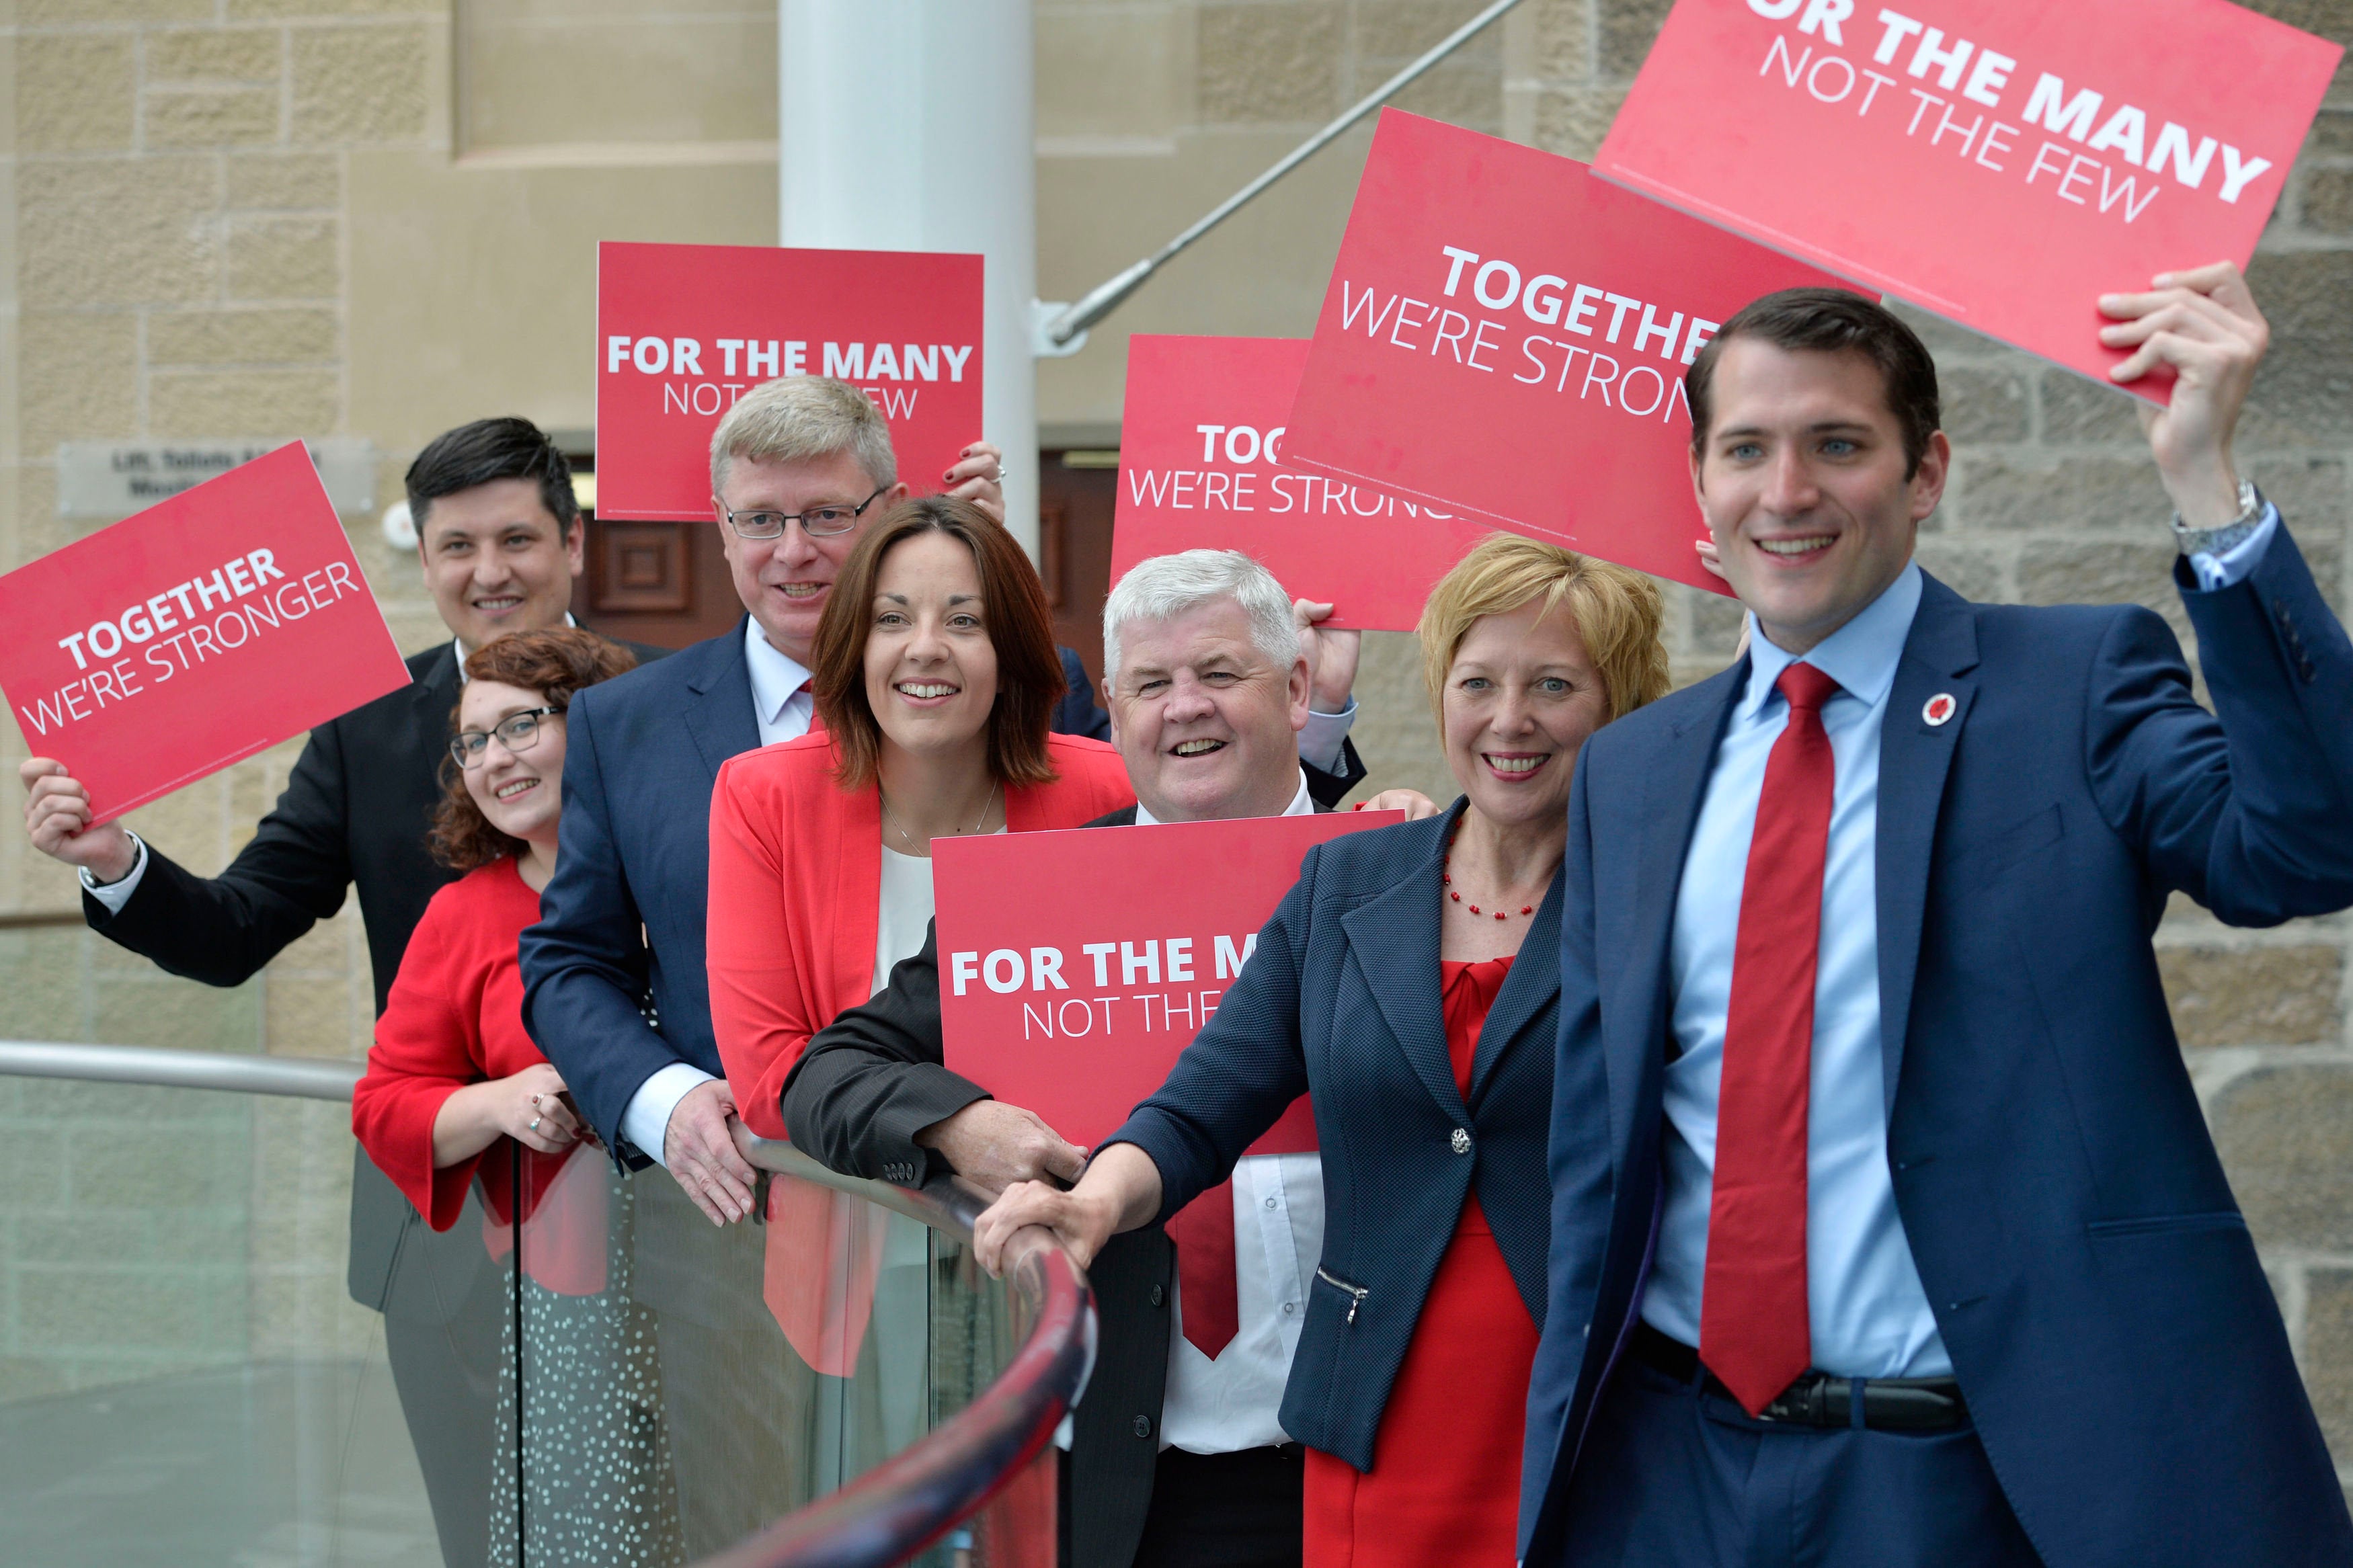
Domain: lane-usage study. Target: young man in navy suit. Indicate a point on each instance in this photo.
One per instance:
(1886, 1227)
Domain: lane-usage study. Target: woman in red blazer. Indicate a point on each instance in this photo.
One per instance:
(935, 676)
(454, 1090)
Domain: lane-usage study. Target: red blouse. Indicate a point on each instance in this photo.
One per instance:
(454, 1018)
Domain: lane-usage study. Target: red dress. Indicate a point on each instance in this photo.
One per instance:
(455, 1017)
(1445, 1482)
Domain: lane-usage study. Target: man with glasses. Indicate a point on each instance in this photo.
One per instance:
(500, 540)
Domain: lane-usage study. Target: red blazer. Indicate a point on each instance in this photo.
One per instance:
(796, 886)
(454, 1018)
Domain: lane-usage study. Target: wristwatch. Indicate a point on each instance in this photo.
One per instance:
(2220, 540)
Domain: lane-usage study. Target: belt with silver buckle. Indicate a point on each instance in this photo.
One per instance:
(1819, 1399)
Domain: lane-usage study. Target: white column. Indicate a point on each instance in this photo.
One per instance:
(907, 125)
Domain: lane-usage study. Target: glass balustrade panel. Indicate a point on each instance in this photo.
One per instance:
(185, 1376)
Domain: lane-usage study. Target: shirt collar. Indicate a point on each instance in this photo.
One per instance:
(459, 644)
(775, 677)
(1860, 656)
(1301, 805)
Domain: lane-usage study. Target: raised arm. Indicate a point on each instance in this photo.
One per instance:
(292, 873)
(2246, 809)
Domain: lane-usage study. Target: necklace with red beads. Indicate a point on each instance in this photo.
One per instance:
(1446, 881)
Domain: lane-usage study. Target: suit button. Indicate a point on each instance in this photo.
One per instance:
(1140, 1425)
(1158, 1295)
(1461, 1141)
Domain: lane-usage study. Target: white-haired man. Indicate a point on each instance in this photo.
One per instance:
(1177, 1457)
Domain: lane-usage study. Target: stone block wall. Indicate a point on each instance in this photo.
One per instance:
(173, 261)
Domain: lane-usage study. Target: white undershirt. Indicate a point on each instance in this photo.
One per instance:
(1233, 1403)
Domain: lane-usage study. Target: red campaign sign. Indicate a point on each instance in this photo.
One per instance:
(193, 635)
(1505, 335)
(1202, 467)
(2002, 163)
(682, 331)
(1062, 994)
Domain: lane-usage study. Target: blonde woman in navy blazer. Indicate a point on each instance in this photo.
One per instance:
(1410, 983)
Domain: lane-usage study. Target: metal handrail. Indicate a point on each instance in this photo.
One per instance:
(303, 1078)
(894, 1511)
(1107, 296)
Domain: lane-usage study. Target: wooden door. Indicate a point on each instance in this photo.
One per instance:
(1076, 492)
(666, 583)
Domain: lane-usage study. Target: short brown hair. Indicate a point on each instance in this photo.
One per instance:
(1617, 613)
(554, 663)
(1832, 321)
(1030, 679)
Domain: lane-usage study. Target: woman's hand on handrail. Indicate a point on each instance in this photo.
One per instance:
(530, 1107)
(1121, 1191)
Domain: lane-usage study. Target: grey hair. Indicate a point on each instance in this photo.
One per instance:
(795, 417)
(1162, 587)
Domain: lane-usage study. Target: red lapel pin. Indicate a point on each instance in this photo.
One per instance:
(1939, 707)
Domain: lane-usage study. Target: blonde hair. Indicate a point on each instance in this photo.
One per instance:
(1617, 613)
(795, 417)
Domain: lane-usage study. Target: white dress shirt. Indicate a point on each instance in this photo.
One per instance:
(1224, 1405)
(1867, 1311)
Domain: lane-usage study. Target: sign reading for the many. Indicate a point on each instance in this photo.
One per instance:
(683, 330)
(1505, 336)
(1202, 466)
(1062, 992)
(194, 635)
(2003, 162)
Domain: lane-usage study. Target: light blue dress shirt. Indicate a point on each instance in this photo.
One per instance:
(1869, 1316)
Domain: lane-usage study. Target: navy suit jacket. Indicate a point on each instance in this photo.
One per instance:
(2113, 1332)
(613, 973)
(1341, 1000)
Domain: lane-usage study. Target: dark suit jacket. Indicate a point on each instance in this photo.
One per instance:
(1078, 713)
(1341, 1001)
(2119, 1348)
(867, 1083)
(355, 813)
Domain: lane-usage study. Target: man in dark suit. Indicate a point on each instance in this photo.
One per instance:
(1177, 1456)
(499, 539)
(1886, 1228)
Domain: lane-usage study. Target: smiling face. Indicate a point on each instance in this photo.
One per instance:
(496, 560)
(521, 793)
(1802, 481)
(931, 668)
(1208, 725)
(1521, 698)
(784, 582)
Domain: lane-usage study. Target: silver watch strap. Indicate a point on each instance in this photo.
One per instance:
(2222, 540)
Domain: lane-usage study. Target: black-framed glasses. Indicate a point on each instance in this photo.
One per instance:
(817, 521)
(516, 732)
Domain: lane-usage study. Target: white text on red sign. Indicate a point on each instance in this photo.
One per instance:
(688, 387)
(184, 629)
(1040, 971)
(2123, 183)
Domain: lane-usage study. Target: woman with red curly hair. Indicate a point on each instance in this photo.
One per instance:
(456, 1091)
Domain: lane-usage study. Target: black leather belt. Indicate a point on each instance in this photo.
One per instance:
(1817, 1399)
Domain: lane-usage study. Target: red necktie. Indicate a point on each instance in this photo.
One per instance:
(1203, 1231)
(1754, 1333)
